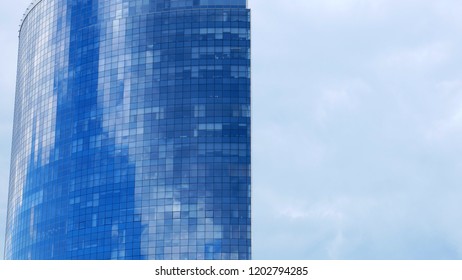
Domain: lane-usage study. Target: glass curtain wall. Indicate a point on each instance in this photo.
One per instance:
(132, 131)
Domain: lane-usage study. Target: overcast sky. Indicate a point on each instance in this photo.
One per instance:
(357, 127)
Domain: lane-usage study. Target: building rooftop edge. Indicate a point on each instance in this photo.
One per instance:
(36, 2)
(27, 11)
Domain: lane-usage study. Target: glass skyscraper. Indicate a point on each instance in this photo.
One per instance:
(131, 131)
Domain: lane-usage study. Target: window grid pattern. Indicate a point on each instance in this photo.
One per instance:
(132, 131)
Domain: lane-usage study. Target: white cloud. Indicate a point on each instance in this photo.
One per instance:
(422, 58)
(445, 122)
(394, 224)
(444, 128)
(336, 101)
(325, 211)
(317, 11)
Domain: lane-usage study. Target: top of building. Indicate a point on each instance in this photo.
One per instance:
(29, 8)
(164, 5)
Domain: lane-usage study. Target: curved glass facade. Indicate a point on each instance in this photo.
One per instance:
(132, 131)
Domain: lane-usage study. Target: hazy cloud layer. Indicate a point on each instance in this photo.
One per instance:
(357, 110)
